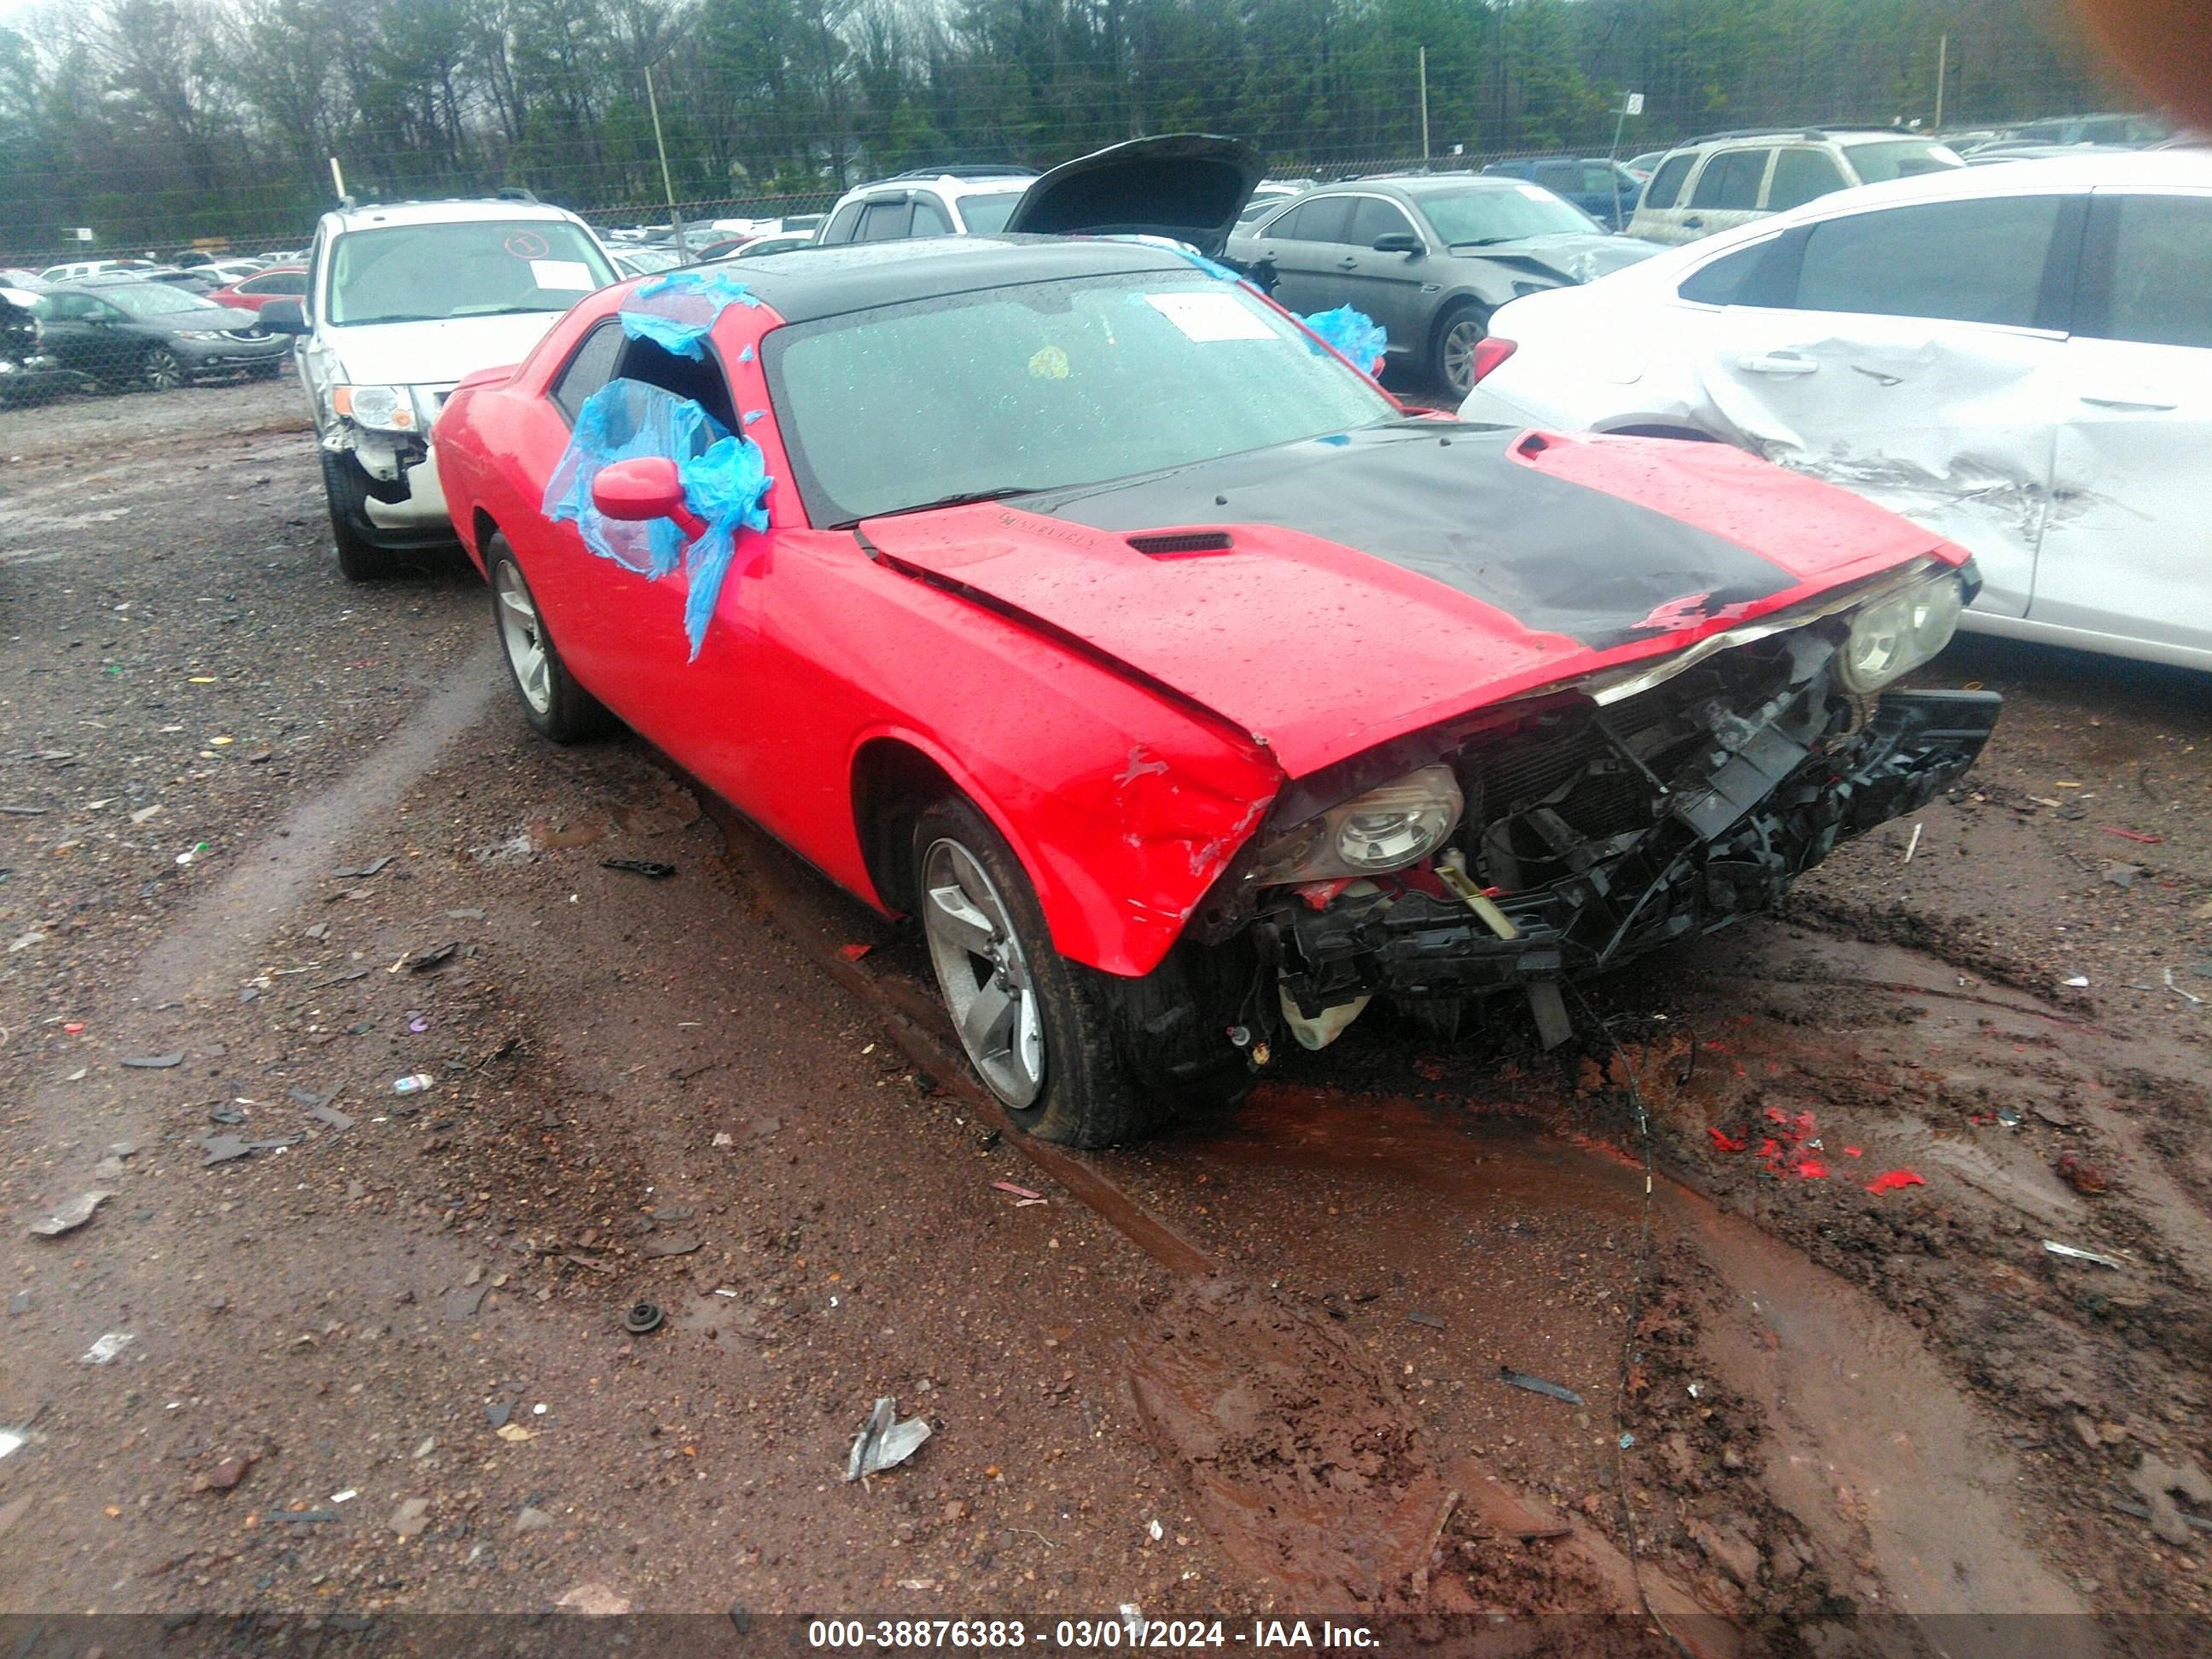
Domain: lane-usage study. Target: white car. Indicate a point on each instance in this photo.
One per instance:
(960, 201)
(2019, 358)
(76, 270)
(402, 303)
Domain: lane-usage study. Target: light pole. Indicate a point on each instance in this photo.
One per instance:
(668, 183)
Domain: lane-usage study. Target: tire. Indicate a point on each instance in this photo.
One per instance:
(345, 488)
(555, 705)
(161, 370)
(1452, 348)
(1074, 1056)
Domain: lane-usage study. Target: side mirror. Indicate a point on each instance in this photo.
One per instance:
(645, 487)
(1399, 241)
(284, 317)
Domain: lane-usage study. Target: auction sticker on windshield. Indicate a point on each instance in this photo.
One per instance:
(561, 273)
(1212, 316)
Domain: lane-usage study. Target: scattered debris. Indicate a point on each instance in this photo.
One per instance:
(723, 1137)
(1018, 1192)
(2122, 875)
(2160, 1482)
(533, 1520)
(2083, 1177)
(414, 1084)
(885, 1442)
(410, 1517)
(1538, 1385)
(2075, 1253)
(423, 961)
(659, 1244)
(1724, 1142)
(1913, 845)
(331, 1115)
(516, 1433)
(1891, 1181)
(363, 871)
(2189, 996)
(1428, 1319)
(153, 1063)
(102, 1352)
(853, 952)
(71, 1215)
(650, 869)
(643, 1316)
(1154, 1530)
(593, 1599)
(227, 1474)
(2138, 836)
(2075, 982)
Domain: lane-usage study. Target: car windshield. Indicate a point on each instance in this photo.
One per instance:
(1041, 384)
(465, 268)
(1898, 158)
(1480, 217)
(986, 215)
(154, 299)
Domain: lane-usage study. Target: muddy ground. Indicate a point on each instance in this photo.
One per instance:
(377, 1362)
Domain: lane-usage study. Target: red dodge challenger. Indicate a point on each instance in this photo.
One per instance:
(1067, 595)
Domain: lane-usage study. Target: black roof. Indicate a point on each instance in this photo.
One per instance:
(824, 281)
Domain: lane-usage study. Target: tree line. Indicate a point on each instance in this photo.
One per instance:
(153, 121)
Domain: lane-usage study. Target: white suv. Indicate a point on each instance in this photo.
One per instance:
(962, 201)
(402, 302)
(1731, 179)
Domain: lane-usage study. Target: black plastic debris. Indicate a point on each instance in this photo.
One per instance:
(650, 869)
(368, 869)
(423, 961)
(642, 1317)
(1538, 1385)
(310, 1099)
(153, 1063)
(331, 1115)
(225, 1115)
(1428, 1319)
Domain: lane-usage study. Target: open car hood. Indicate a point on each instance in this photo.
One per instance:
(1329, 595)
(1189, 186)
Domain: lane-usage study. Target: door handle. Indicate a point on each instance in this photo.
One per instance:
(2124, 403)
(1693, 224)
(1349, 262)
(1777, 362)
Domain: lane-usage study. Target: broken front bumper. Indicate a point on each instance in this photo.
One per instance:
(1771, 799)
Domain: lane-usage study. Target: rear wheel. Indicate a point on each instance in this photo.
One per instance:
(551, 700)
(1075, 1056)
(345, 488)
(1451, 357)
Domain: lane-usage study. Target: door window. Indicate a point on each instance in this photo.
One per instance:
(1564, 177)
(1324, 219)
(1801, 176)
(883, 221)
(592, 367)
(929, 219)
(1376, 217)
(1667, 183)
(2149, 276)
(1968, 262)
(1730, 181)
(1721, 283)
(840, 227)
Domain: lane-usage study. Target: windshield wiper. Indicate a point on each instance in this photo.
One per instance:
(1487, 241)
(964, 498)
(396, 317)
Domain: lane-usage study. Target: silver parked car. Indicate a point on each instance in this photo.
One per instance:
(1429, 258)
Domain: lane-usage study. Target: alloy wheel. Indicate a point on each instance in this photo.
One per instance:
(984, 973)
(524, 640)
(1459, 341)
(163, 372)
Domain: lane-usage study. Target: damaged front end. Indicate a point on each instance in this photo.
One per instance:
(1566, 832)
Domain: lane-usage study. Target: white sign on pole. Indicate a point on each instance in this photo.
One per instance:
(1635, 104)
(84, 233)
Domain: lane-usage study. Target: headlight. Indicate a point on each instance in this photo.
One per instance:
(380, 408)
(1894, 636)
(199, 334)
(1385, 828)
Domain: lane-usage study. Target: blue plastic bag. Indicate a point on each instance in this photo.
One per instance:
(724, 486)
(1354, 333)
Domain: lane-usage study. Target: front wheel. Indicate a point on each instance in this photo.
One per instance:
(161, 370)
(345, 488)
(552, 702)
(1075, 1056)
(1459, 332)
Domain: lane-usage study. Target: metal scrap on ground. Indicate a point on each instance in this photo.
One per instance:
(885, 1442)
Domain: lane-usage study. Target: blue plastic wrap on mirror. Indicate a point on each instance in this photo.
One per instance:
(677, 309)
(1354, 333)
(724, 486)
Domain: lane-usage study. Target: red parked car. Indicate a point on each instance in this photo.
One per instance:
(1070, 596)
(252, 293)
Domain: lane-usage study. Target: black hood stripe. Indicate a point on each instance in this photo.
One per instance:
(1450, 502)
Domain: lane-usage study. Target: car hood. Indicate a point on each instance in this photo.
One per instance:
(225, 316)
(1187, 185)
(434, 353)
(1572, 256)
(1329, 595)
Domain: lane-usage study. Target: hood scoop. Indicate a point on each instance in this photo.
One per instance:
(1171, 543)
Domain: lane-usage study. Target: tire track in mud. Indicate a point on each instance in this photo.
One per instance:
(1885, 1489)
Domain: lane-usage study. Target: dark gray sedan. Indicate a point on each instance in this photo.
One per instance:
(152, 334)
(1430, 259)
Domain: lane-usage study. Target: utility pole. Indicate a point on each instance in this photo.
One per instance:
(1943, 74)
(1424, 109)
(1632, 103)
(337, 179)
(667, 184)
